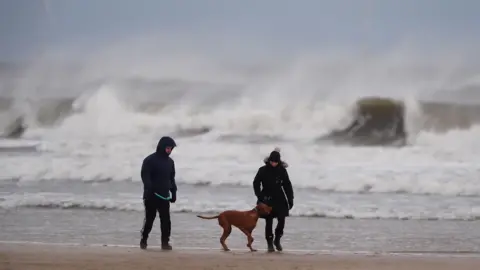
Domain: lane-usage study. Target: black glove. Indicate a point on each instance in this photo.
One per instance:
(290, 203)
(174, 197)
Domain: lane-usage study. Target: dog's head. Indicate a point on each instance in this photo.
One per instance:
(263, 209)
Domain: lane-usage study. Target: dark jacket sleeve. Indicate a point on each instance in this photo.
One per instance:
(173, 188)
(146, 176)
(257, 182)
(287, 186)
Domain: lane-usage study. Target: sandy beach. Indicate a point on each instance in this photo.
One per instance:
(35, 256)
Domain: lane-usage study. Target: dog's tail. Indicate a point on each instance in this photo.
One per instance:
(207, 217)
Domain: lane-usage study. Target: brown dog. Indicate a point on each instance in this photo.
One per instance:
(246, 221)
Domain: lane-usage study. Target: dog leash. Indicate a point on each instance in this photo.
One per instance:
(286, 197)
(163, 198)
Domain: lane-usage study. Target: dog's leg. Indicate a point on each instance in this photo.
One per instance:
(226, 233)
(227, 229)
(250, 239)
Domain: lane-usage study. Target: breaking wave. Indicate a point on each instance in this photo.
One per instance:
(225, 110)
(307, 96)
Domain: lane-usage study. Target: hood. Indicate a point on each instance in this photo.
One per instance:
(163, 143)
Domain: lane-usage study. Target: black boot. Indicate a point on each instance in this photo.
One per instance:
(277, 244)
(166, 246)
(270, 244)
(143, 243)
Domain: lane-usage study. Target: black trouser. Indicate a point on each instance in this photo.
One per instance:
(151, 207)
(278, 229)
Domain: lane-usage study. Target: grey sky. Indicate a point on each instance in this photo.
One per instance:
(28, 27)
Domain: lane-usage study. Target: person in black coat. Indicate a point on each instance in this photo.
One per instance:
(159, 190)
(272, 186)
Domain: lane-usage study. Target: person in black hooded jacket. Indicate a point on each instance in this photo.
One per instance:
(159, 190)
(272, 186)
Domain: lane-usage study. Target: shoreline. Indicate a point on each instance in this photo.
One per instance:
(69, 257)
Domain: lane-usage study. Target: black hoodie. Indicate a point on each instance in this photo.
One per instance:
(158, 171)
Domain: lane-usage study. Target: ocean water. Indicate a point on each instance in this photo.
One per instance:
(91, 129)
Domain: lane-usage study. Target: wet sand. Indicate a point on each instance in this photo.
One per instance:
(53, 257)
(331, 235)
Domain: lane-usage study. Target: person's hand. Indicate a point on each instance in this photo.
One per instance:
(174, 197)
(290, 203)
